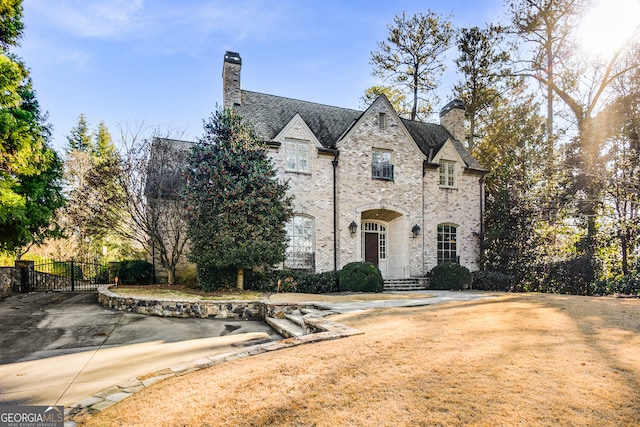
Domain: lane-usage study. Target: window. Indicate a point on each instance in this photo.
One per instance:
(297, 153)
(447, 236)
(382, 120)
(381, 167)
(447, 174)
(299, 254)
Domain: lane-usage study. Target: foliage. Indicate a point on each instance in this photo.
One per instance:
(237, 209)
(573, 276)
(396, 98)
(489, 280)
(11, 24)
(214, 278)
(132, 272)
(360, 277)
(30, 171)
(412, 57)
(450, 275)
(484, 70)
(295, 281)
(626, 285)
(95, 197)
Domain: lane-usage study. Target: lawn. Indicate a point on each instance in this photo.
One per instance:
(519, 359)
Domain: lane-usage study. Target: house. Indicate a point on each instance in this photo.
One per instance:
(368, 185)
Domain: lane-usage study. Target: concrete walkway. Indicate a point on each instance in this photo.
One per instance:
(59, 348)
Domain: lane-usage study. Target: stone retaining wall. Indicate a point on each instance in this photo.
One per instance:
(251, 310)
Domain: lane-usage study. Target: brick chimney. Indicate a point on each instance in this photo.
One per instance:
(452, 119)
(231, 79)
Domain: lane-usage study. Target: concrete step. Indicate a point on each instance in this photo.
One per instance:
(285, 327)
(406, 284)
(315, 312)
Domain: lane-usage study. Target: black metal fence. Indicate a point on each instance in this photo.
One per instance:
(68, 276)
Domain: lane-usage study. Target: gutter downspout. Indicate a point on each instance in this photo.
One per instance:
(482, 201)
(334, 162)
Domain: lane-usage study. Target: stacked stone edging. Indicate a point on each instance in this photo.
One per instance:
(322, 330)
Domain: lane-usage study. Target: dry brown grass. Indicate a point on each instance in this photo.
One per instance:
(532, 360)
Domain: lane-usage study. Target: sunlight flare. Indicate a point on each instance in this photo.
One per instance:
(608, 25)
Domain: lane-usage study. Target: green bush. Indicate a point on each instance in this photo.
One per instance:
(294, 281)
(360, 277)
(132, 272)
(626, 285)
(492, 281)
(212, 279)
(449, 275)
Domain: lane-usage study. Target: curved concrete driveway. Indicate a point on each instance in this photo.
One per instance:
(59, 348)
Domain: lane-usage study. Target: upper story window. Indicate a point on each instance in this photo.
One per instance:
(297, 153)
(382, 120)
(448, 174)
(381, 165)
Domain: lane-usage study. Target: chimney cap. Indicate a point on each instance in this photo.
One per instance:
(456, 103)
(232, 57)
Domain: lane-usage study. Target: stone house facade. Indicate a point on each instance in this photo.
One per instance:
(368, 185)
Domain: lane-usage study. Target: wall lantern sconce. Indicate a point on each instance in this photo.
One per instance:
(415, 230)
(353, 227)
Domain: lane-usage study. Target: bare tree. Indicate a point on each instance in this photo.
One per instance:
(151, 179)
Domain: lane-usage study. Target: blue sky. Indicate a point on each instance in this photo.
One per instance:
(158, 63)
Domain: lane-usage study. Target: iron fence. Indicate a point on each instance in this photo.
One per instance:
(69, 276)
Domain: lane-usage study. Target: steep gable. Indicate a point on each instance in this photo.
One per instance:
(270, 114)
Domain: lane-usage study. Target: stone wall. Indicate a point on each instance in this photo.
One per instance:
(250, 310)
(9, 280)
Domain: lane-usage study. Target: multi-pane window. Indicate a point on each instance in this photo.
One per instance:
(297, 153)
(382, 120)
(381, 166)
(447, 174)
(447, 250)
(299, 254)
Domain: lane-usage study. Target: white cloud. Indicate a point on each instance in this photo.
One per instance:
(161, 25)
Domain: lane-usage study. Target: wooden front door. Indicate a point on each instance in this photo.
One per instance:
(371, 248)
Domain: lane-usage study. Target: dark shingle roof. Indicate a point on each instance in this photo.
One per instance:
(165, 173)
(270, 114)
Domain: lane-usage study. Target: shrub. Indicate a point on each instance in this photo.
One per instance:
(212, 279)
(132, 272)
(492, 281)
(360, 277)
(626, 285)
(294, 281)
(449, 275)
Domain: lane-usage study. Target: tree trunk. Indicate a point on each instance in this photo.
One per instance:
(240, 278)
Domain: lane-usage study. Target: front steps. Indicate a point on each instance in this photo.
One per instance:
(409, 284)
(296, 323)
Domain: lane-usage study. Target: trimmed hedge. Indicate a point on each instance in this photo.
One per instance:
(294, 281)
(625, 285)
(360, 277)
(132, 272)
(493, 281)
(450, 276)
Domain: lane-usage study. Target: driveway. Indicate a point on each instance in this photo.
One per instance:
(59, 348)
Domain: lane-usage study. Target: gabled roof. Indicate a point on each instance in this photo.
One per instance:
(270, 114)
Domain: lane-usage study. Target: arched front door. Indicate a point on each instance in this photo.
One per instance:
(374, 244)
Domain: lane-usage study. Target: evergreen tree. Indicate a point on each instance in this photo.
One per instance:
(237, 209)
(79, 139)
(30, 170)
(412, 57)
